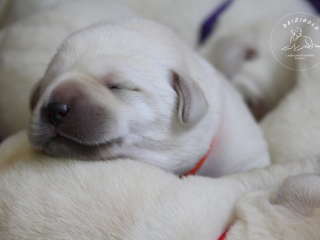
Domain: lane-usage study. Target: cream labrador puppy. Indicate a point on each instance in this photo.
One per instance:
(292, 129)
(133, 89)
(46, 198)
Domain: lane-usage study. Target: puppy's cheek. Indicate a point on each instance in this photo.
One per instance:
(126, 95)
(140, 108)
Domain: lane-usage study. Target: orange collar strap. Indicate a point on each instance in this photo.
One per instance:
(223, 236)
(200, 163)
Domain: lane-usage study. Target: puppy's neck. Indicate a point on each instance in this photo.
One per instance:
(239, 143)
(200, 163)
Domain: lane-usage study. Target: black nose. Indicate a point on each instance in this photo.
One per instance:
(56, 112)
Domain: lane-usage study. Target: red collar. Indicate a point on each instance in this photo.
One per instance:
(223, 236)
(200, 163)
(195, 170)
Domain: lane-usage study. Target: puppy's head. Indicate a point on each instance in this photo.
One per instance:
(116, 90)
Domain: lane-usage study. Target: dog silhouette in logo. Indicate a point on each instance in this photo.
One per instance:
(298, 42)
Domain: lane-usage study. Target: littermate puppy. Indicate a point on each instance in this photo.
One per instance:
(47, 198)
(133, 89)
(292, 129)
(239, 46)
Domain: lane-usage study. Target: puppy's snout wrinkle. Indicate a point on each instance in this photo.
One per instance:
(56, 113)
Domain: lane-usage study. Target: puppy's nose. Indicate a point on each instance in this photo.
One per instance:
(56, 112)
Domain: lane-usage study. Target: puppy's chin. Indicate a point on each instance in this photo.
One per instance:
(60, 146)
(57, 145)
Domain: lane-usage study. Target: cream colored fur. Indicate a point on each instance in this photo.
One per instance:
(47, 198)
(247, 26)
(292, 212)
(14, 10)
(292, 128)
(135, 90)
(44, 24)
(23, 62)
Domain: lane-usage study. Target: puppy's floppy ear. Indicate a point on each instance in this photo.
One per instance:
(35, 95)
(193, 104)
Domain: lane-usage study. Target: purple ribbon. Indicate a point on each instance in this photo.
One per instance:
(209, 23)
(315, 4)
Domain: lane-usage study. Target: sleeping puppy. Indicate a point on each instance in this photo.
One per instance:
(133, 89)
(46, 198)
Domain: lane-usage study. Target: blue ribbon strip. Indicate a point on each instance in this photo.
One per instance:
(209, 23)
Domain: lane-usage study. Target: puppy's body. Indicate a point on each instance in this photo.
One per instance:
(290, 212)
(46, 198)
(135, 90)
(292, 128)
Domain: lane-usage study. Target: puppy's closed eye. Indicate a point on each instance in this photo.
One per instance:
(115, 84)
(122, 86)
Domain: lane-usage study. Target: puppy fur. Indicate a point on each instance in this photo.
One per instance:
(23, 63)
(135, 90)
(14, 10)
(292, 128)
(44, 24)
(292, 212)
(48, 198)
(240, 48)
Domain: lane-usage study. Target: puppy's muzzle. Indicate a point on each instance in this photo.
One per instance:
(56, 113)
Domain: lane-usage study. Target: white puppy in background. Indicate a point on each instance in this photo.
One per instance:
(240, 48)
(293, 129)
(47, 198)
(133, 89)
